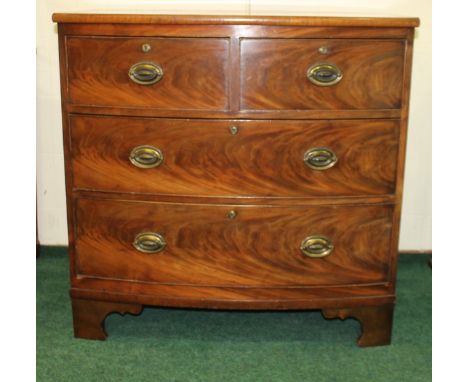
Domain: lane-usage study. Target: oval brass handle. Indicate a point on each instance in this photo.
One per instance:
(149, 242)
(320, 158)
(145, 73)
(324, 74)
(146, 156)
(317, 246)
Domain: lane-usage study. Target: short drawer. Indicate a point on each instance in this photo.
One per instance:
(331, 74)
(226, 245)
(234, 158)
(162, 73)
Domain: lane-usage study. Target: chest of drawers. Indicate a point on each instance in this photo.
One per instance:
(234, 163)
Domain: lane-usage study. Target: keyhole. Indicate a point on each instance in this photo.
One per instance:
(232, 214)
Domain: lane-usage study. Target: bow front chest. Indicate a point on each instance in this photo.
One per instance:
(234, 163)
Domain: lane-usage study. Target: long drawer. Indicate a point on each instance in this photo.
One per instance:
(226, 245)
(239, 158)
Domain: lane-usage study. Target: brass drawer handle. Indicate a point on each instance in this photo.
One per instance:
(149, 242)
(324, 74)
(146, 156)
(320, 158)
(316, 246)
(145, 73)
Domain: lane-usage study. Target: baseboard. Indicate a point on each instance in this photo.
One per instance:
(64, 249)
(415, 252)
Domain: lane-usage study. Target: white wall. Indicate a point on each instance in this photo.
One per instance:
(417, 206)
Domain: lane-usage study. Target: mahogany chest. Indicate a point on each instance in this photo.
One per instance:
(234, 163)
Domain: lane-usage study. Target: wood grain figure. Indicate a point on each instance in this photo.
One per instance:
(194, 72)
(273, 74)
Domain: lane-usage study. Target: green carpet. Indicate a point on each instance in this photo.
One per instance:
(197, 345)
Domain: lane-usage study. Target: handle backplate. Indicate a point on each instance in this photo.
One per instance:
(320, 158)
(145, 73)
(146, 156)
(324, 74)
(149, 242)
(316, 246)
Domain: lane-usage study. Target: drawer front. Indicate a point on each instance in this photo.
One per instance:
(258, 158)
(368, 74)
(193, 72)
(251, 246)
